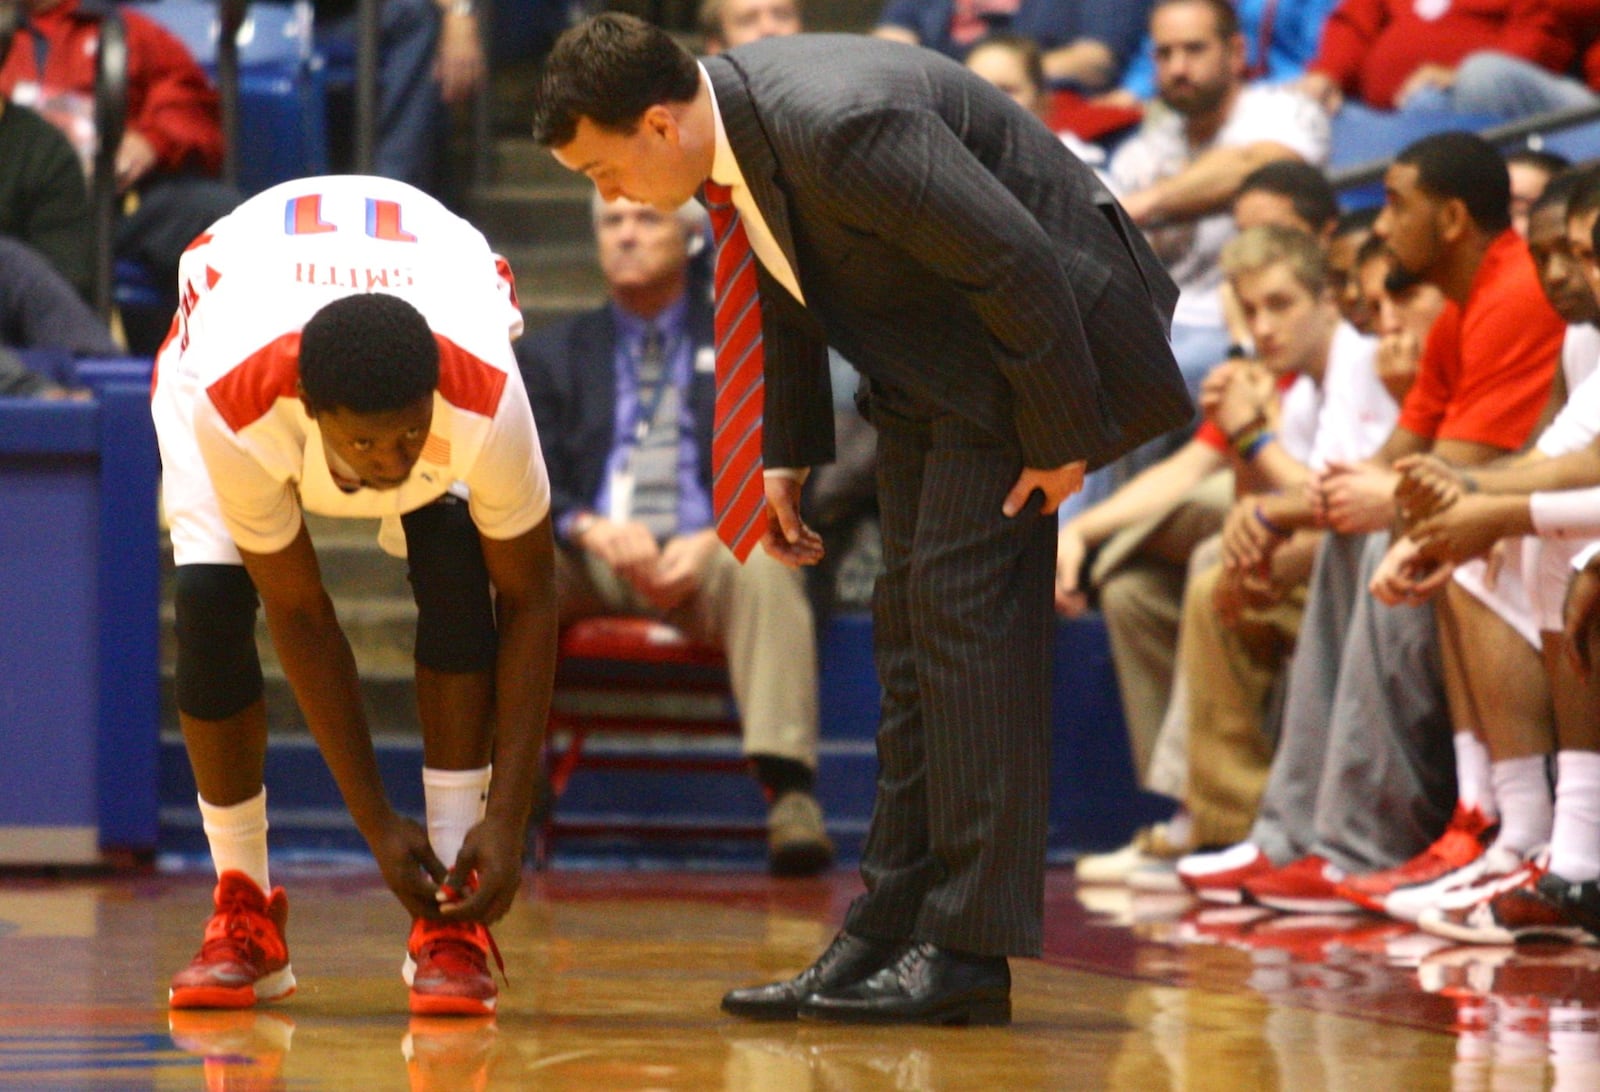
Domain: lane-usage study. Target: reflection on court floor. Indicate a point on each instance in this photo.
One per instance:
(613, 981)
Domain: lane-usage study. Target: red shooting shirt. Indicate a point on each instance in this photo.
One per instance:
(1486, 370)
(171, 103)
(1370, 47)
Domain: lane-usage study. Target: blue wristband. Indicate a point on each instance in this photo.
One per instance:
(1273, 528)
(1262, 440)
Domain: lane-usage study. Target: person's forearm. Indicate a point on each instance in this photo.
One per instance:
(1574, 470)
(321, 669)
(1085, 62)
(1152, 490)
(1287, 512)
(1275, 469)
(1208, 184)
(1513, 515)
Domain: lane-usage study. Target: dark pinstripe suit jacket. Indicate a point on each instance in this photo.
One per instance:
(947, 244)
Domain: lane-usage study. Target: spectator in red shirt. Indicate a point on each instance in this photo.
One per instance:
(1404, 54)
(1507, 86)
(171, 150)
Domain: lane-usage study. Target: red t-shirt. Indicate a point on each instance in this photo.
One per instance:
(1486, 369)
(171, 103)
(1370, 47)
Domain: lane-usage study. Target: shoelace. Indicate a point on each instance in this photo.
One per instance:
(454, 945)
(243, 933)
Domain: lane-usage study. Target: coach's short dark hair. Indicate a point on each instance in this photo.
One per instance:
(1463, 166)
(610, 69)
(1307, 189)
(368, 353)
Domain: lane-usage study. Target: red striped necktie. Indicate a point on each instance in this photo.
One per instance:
(738, 493)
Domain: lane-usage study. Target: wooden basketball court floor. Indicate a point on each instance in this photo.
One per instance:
(614, 979)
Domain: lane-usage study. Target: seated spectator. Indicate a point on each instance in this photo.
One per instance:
(1531, 171)
(39, 309)
(1014, 65)
(1360, 781)
(1239, 627)
(1085, 43)
(1504, 85)
(1508, 893)
(171, 149)
(430, 57)
(623, 399)
(1143, 535)
(1280, 40)
(1178, 175)
(46, 242)
(725, 24)
(1350, 236)
(43, 199)
(1425, 60)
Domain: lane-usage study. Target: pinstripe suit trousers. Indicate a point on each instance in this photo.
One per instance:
(963, 627)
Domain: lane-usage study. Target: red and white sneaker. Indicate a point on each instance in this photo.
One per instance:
(447, 968)
(1307, 886)
(1495, 871)
(1517, 914)
(244, 958)
(1460, 845)
(1220, 876)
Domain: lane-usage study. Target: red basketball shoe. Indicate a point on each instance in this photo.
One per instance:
(447, 968)
(244, 957)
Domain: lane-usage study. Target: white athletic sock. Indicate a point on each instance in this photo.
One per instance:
(1522, 786)
(455, 801)
(1575, 841)
(1474, 786)
(238, 837)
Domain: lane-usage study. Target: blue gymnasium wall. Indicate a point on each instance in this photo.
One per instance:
(79, 593)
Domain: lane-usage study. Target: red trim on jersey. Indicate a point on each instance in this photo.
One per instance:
(212, 277)
(250, 390)
(155, 367)
(199, 240)
(467, 382)
(503, 267)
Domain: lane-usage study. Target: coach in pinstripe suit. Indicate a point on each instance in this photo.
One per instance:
(1012, 328)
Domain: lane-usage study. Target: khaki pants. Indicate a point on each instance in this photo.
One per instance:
(1139, 574)
(757, 613)
(1231, 675)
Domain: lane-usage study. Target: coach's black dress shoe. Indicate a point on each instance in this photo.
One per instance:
(847, 960)
(925, 985)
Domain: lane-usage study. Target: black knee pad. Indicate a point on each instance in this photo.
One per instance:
(219, 671)
(450, 582)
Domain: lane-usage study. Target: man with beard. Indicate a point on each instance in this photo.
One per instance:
(1179, 174)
